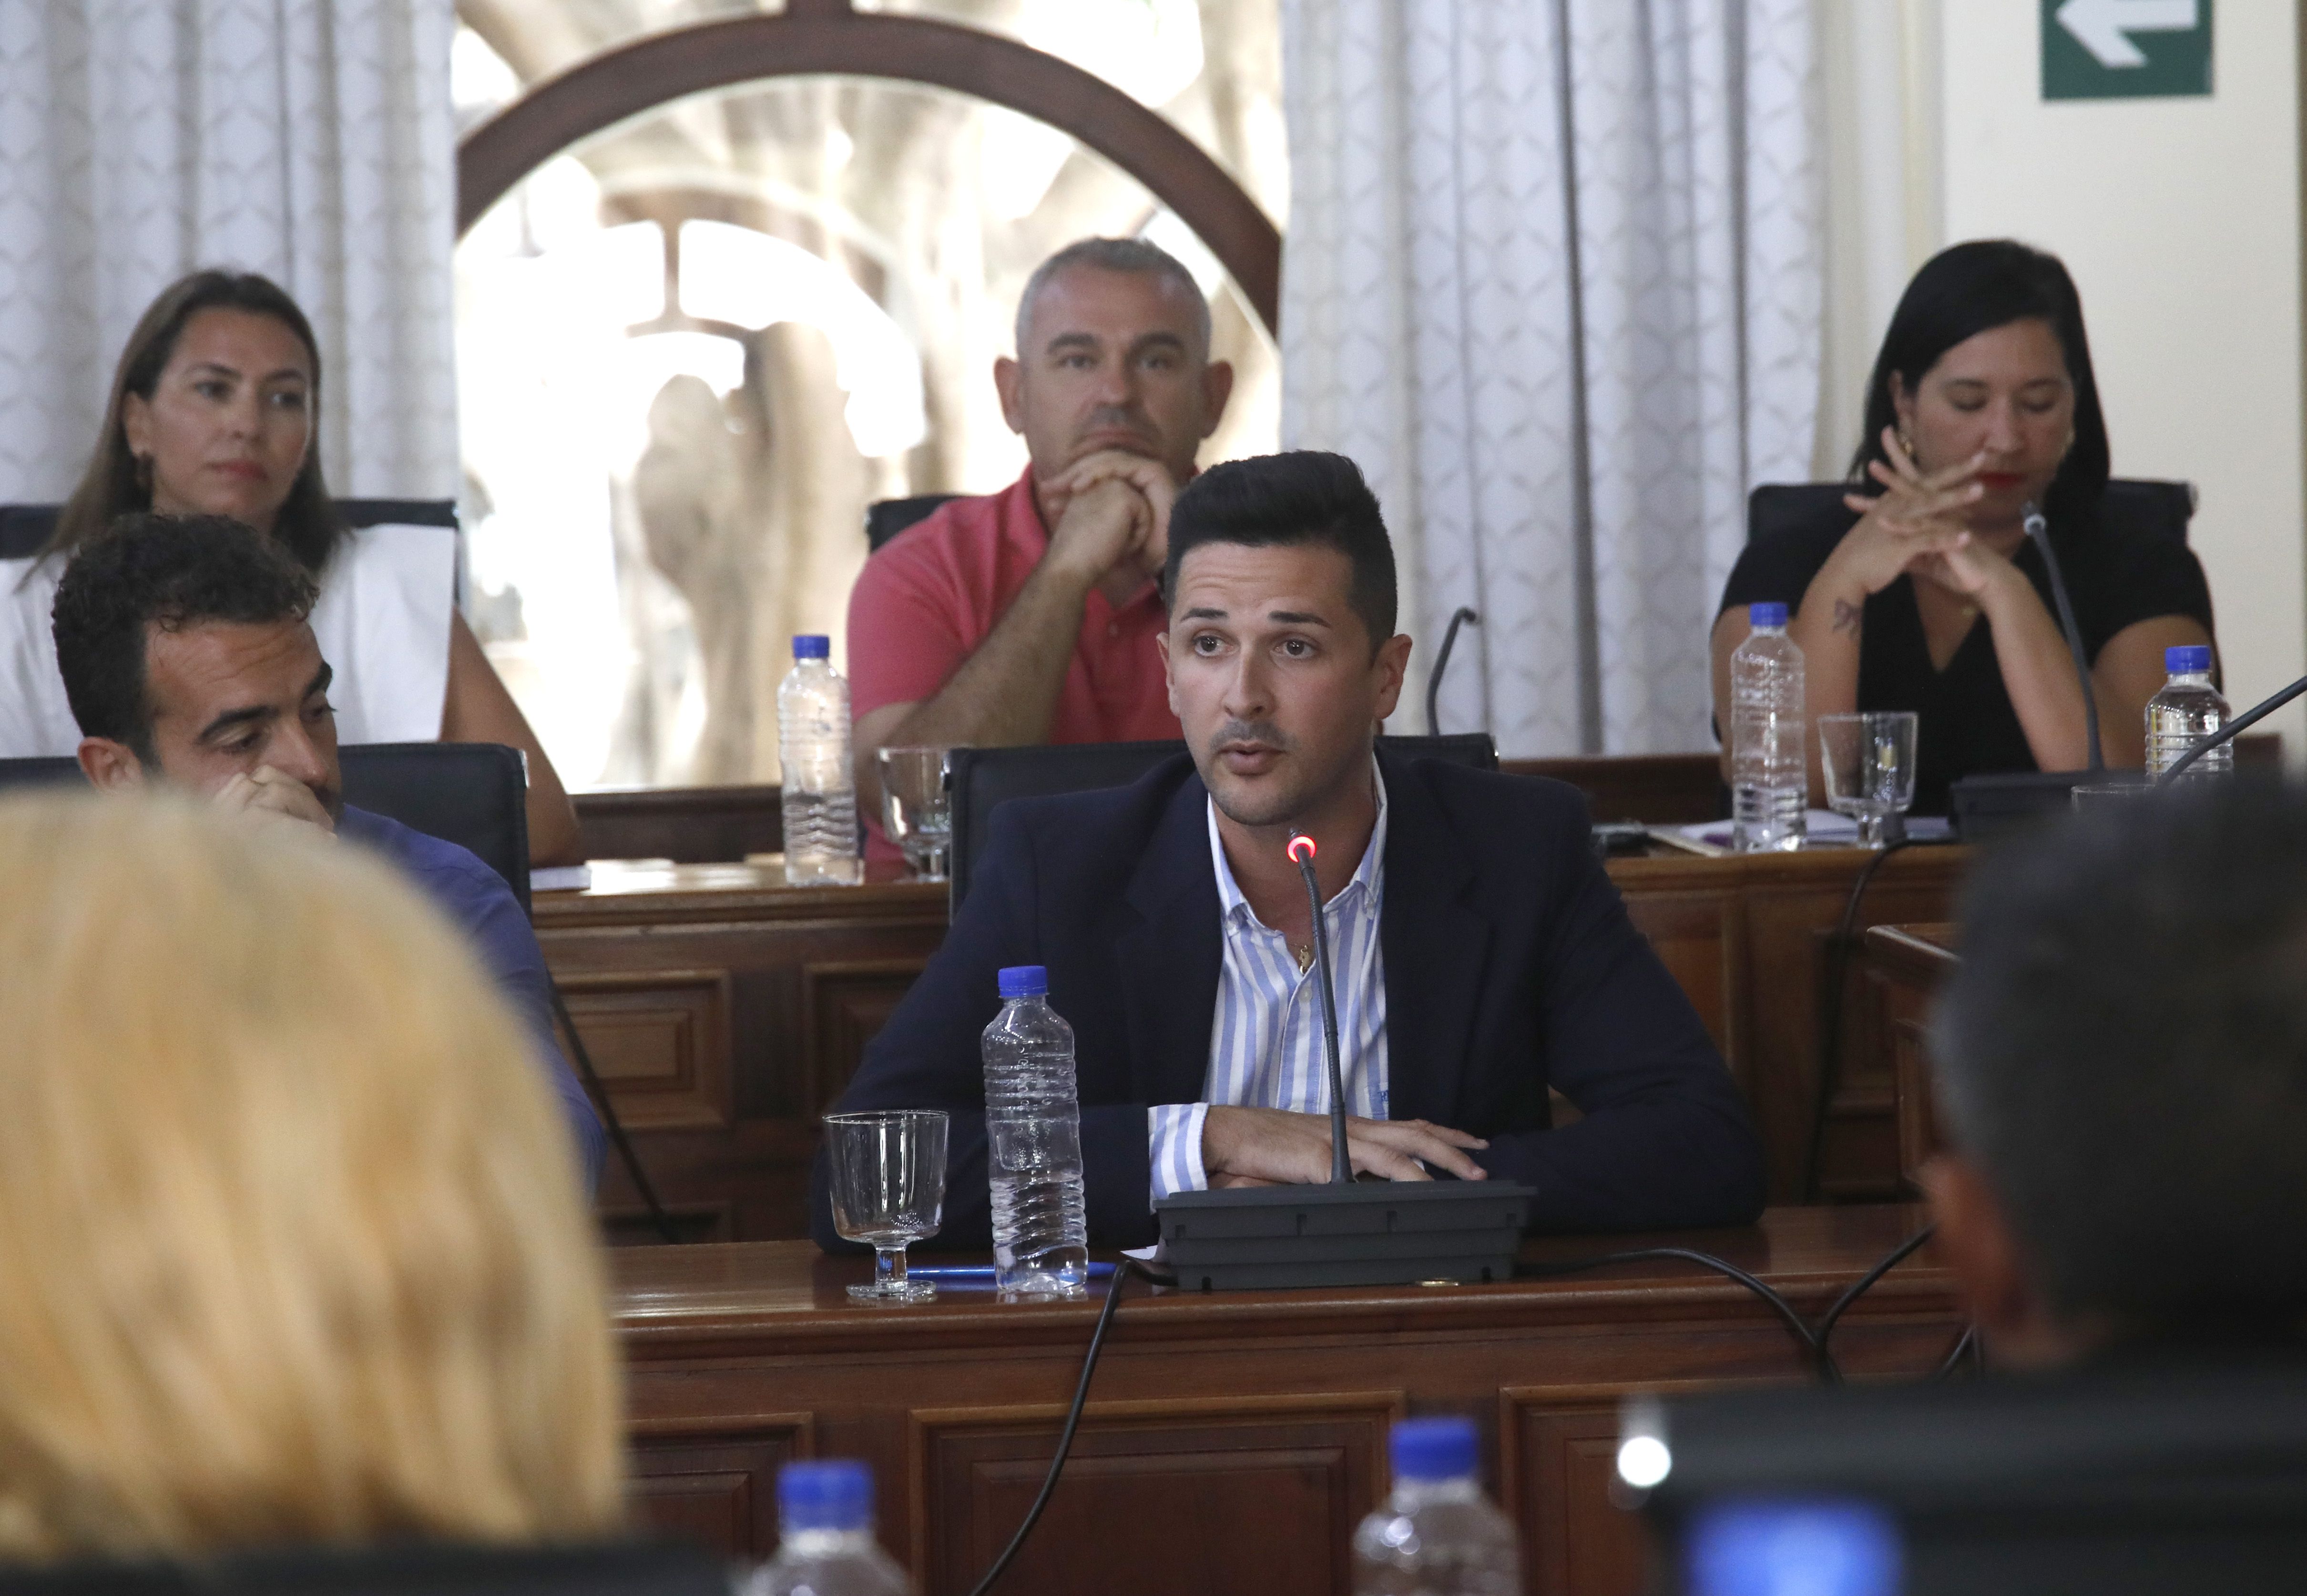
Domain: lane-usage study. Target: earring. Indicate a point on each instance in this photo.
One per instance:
(1906, 444)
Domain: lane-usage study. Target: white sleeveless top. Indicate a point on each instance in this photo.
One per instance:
(383, 622)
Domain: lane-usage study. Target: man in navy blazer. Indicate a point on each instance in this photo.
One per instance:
(1482, 954)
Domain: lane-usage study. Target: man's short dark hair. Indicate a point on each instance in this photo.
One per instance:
(1285, 500)
(166, 571)
(2124, 1056)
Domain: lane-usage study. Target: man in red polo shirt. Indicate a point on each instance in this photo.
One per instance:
(1032, 616)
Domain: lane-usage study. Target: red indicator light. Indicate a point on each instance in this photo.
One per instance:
(1301, 847)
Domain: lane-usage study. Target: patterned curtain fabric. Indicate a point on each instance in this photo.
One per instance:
(1553, 278)
(309, 140)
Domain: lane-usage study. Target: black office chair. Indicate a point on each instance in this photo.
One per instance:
(610, 1568)
(2161, 509)
(474, 795)
(981, 778)
(25, 527)
(886, 517)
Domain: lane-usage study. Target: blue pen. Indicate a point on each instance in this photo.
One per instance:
(970, 1274)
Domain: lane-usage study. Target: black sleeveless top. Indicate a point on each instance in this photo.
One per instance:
(2116, 576)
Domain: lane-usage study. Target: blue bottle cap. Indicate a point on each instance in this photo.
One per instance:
(1434, 1449)
(2187, 659)
(837, 1494)
(1775, 1548)
(1766, 614)
(1025, 981)
(809, 645)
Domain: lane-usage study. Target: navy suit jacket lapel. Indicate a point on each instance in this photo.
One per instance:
(1170, 959)
(1436, 944)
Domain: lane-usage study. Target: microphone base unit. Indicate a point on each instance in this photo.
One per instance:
(1381, 1232)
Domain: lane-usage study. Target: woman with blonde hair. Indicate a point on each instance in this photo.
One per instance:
(290, 1231)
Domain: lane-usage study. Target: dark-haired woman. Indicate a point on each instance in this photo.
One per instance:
(212, 412)
(1926, 596)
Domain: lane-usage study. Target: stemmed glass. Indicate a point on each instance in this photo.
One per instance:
(916, 811)
(888, 1188)
(1868, 761)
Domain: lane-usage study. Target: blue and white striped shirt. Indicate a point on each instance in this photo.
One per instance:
(1265, 1039)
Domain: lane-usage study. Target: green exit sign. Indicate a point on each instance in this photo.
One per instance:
(2125, 50)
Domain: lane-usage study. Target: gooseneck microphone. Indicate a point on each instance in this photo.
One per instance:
(2211, 740)
(2038, 528)
(1341, 1167)
(1442, 663)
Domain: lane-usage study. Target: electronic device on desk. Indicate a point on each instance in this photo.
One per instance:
(2144, 1478)
(1621, 839)
(1347, 1232)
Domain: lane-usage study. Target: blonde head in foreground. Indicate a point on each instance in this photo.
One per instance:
(290, 1232)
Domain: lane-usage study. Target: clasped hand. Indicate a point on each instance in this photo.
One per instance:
(1109, 515)
(1262, 1147)
(1917, 526)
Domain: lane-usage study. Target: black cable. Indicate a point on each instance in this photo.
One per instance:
(1827, 1368)
(1966, 1347)
(1829, 1015)
(1814, 1341)
(609, 1120)
(2040, 529)
(1122, 1272)
(1865, 1283)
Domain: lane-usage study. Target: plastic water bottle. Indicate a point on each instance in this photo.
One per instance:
(1033, 1121)
(1793, 1548)
(2187, 709)
(825, 1536)
(820, 789)
(1769, 783)
(1437, 1535)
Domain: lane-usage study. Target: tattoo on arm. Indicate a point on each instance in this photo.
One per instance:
(1849, 616)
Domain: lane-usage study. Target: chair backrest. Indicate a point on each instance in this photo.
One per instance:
(2162, 508)
(982, 779)
(612, 1569)
(474, 795)
(25, 527)
(886, 517)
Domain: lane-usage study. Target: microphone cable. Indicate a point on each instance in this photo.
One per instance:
(1829, 1013)
(1812, 1339)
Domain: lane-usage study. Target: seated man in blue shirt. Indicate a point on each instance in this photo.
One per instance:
(1481, 955)
(185, 653)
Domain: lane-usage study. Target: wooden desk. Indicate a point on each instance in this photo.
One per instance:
(1903, 967)
(1230, 1442)
(727, 1010)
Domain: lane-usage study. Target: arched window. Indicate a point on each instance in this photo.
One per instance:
(720, 287)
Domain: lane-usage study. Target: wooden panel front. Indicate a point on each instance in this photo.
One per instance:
(724, 1010)
(1192, 1488)
(715, 1482)
(1231, 1441)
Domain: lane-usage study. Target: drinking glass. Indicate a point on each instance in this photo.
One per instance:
(888, 1188)
(916, 811)
(1869, 763)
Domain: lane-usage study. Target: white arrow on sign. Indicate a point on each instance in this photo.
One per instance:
(2105, 27)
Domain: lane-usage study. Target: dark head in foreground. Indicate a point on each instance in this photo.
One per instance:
(187, 657)
(1281, 654)
(2122, 1063)
(291, 1232)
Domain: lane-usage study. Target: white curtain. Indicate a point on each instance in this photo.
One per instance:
(1553, 278)
(309, 140)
